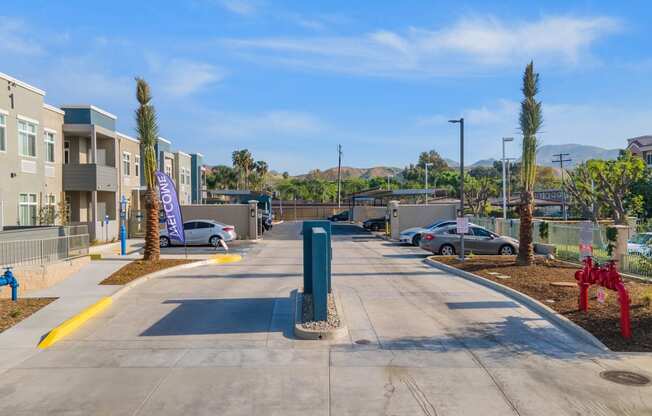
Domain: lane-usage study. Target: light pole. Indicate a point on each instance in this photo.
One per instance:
(461, 123)
(388, 177)
(123, 228)
(505, 139)
(339, 175)
(427, 164)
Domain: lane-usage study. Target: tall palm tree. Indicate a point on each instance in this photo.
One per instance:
(147, 127)
(530, 120)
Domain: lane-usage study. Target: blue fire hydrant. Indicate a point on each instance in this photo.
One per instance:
(8, 279)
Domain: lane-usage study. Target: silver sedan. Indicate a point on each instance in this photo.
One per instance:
(446, 241)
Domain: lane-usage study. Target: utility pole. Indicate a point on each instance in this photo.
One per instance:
(426, 188)
(388, 185)
(505, 139)
(461, 215)
(561, 159)
(339, 175)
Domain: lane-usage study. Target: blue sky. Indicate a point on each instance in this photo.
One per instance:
(289, 80)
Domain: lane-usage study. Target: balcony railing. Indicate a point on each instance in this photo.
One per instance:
(89, 177)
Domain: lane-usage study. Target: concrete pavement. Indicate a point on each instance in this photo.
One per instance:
(217, 340)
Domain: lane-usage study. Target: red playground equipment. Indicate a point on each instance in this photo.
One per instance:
(607, 277)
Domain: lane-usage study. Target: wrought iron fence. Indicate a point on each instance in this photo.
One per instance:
(43, 251)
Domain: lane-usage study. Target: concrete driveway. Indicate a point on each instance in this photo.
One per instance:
(217, 340)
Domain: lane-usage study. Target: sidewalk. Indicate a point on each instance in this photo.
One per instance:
(74, 294)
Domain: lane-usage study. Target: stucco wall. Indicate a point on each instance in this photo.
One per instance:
(232, 214)
(363, 213)
(33, 278)
(421, 215)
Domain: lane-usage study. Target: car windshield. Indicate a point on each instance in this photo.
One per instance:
(641, 239)
(438, 224)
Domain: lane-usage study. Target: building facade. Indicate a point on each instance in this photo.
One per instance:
(182, 176)
(30, 156)
(642, 147)
(198, 179)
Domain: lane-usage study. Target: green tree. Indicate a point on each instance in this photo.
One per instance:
(477, 192)
(147, 127)
(530, 121)
(583, 195)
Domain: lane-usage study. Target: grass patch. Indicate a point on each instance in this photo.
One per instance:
(134, 270)
(602, 319)
(13, 312)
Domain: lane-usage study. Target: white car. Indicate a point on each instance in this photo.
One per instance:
(200, 232)
(413, 235)
(640, 244)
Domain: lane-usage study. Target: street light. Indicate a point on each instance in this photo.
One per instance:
(505, 139)
(427, 164)
(388, 177)
(461, 123)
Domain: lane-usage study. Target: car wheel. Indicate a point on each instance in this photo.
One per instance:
(214, 240)
(447, 250)
(506, 250)
(164, 242)
(416, 240)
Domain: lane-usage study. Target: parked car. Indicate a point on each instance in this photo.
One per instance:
(413, 235)
(268, 218)
(446, 241)
(375, 224)
(200, 232)
(640, 244)
(342, 216)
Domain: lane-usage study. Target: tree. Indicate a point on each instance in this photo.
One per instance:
(222, 177)
(615, 180)
(530, 121)
(581, 187)
(433, 157)
(243, 163)
(477, 192)
(147, 127)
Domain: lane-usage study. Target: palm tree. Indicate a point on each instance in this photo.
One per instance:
(148, 132)
(261, 168)
(530, 120)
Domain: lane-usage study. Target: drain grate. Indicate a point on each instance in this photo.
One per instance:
(627, 378)
(363, 342)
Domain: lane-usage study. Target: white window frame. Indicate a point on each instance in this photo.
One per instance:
(27, 121)
(3, 130)
(47, 134)
(137, 165)
(28, 203)
(126, 163)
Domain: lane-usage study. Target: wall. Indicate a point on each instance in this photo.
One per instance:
(421, 215)
(232, 214)
(363, 213)
(33, 278)
(293, 211)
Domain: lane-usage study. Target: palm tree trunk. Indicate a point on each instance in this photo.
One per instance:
(525, 248)
(152, 247)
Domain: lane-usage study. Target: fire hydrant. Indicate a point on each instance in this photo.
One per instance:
(8, 279)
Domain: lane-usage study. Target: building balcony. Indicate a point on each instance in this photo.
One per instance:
(90, 177)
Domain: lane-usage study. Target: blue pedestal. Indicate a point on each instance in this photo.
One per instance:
(319, 263)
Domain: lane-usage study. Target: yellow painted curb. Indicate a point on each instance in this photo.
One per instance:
(73, 323)
(225, 258)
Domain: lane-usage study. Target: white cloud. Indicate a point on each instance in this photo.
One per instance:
(241, 7)
(470, 45)
(181, 77)
(265, 124)
(14, 37)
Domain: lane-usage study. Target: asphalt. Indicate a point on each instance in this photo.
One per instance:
(217, 340)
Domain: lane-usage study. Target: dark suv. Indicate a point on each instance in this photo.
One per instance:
(375, 224)
(342, 216)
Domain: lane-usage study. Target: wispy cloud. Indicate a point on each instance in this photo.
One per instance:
(265, 124)
(470, 45)
(182, 77)
(15, 38)
(241, 7)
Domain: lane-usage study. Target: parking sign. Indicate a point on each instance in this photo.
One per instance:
(462, 225)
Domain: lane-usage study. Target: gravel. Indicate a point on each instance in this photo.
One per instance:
(333, 321)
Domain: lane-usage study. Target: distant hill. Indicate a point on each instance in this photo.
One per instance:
(483, 163)
(452, 163)
(577, 152)
(350, 172)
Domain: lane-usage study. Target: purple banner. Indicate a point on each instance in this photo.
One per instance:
(170, 202)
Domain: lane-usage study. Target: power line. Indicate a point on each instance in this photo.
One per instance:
(561, 159)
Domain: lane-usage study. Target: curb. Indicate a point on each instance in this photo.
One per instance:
(317, 335)
(71, 324)
(534, 305)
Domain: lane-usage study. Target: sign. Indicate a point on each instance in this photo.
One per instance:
(170, 201)
(586, 240)
(462, 225)
(602, 295)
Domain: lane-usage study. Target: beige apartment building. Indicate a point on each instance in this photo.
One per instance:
(642, 147)
(182, 176)
(30, 156)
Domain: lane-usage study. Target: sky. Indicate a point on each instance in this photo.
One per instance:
(289, 80)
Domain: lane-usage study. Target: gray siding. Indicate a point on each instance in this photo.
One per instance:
(89, 177)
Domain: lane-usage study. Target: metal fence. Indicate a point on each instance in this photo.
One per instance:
(44, 251)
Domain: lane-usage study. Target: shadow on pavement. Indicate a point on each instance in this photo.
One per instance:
(482, 305)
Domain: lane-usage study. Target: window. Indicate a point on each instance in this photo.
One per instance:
(27, 209)
(66, 152)
(49, 214)
(204, 225)
(126, 163)
(187, 176)
(26, 138)
(3, 132)
(136, 165)
(648, 158)
(481, 232)
(49, 146)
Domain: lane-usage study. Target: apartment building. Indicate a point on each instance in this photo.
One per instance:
(30, 156)
(198, 178)
(642, 147)
(182, 176)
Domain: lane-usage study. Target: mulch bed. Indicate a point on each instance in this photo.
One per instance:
(13, 312)
(135, 269)
(602, 320)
